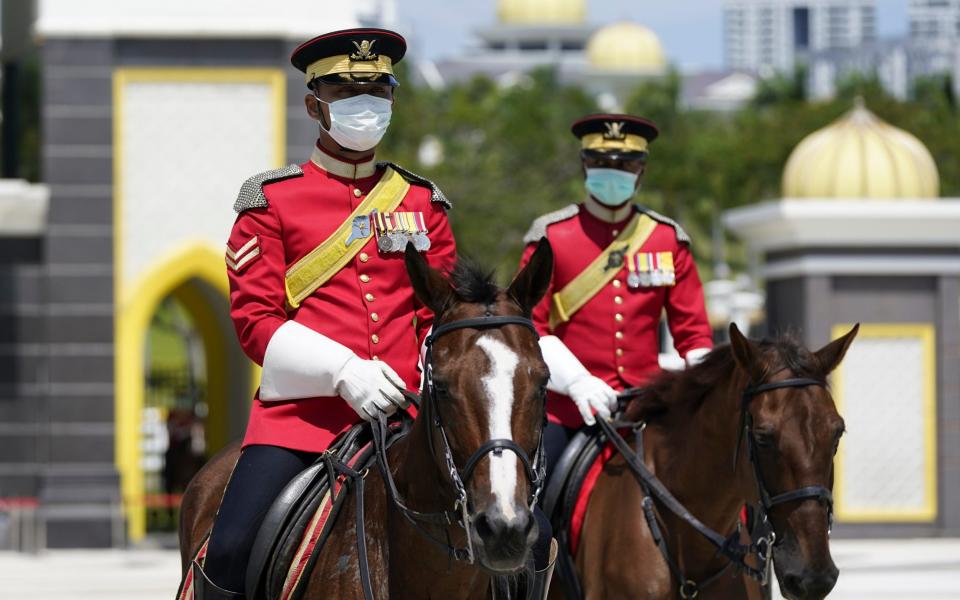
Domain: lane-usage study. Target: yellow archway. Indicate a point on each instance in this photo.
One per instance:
(177, 275)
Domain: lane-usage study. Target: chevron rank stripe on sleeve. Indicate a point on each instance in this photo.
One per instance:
(240, 258)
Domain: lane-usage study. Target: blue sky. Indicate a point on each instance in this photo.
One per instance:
(690, 30)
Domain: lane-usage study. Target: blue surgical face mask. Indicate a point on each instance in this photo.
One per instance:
(611, 187)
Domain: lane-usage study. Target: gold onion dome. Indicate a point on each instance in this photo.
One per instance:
(860, 156)
(542, 12)
(626, 47)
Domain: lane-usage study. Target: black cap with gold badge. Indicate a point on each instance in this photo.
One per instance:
(351, 55)
(615, 136)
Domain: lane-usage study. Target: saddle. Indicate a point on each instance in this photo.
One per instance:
(301, 518)
(560, 500)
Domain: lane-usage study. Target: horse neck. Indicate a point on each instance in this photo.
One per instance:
(694, 451)
(425, 488)
(420, 481)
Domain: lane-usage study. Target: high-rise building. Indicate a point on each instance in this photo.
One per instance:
(772, 35)
(934, 32)
(935, 21)
(931, 49)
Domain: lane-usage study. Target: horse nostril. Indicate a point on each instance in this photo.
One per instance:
(821, 583)
(811, 584)
(483, 526)
(793, 583)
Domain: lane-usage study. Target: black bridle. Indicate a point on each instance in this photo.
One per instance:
(460, 478)
(768, 502)
(730, 546)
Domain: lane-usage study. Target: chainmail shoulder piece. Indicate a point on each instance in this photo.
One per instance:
(539, 227)
(681, 234)
(251, 192)
(435, 194)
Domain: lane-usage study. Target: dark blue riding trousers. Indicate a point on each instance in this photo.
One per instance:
(259, 477)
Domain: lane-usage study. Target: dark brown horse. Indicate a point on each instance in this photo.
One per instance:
(714, 459)
(488, 384)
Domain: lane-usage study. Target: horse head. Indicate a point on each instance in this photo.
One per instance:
(791, 430)
(485, 397)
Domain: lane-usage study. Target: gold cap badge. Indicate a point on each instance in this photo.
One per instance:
(614, 131)
(364, 50)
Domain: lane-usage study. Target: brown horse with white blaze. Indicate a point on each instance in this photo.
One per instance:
(754, 424)
(486, 407)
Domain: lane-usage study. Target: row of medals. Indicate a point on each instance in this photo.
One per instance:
(387, 241)
(656, 278)
(396, 241)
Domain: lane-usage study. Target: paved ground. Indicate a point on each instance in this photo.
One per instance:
(875, 570)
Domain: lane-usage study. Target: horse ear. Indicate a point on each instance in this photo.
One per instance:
(744, 354)
(830, 355)
(429, 285)
(532, 282)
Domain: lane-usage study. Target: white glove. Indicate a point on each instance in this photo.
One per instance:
(568, 376)
(593, 393)
(370, 387)
(302, 363)
(696, 356)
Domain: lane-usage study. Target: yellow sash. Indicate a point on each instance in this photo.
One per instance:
(605, 267)
(323, 262)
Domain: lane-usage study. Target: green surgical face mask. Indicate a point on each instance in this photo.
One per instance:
(611, 187)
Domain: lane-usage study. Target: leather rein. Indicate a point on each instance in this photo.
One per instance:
(730, 546)
(460, 478)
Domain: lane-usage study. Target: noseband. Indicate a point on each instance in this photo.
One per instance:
(460, 478)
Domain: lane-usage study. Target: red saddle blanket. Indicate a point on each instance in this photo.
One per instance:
(583, 497)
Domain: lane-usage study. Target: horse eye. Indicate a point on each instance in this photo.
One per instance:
(836, 439)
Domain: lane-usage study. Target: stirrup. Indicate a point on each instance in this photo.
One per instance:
(541, 579)
(204, 589)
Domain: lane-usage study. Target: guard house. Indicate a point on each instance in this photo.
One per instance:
(861, 235)
(119, 365)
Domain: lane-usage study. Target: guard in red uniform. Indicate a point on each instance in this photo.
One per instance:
(318, 289)
(618, 266)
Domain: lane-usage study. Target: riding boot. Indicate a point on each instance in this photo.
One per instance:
(541, 579)
(204, 589)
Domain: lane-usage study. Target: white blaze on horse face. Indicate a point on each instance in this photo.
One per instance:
(499, 386)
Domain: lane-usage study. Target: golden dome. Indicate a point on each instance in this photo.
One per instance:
(860, 156)
(542, 12)
(626, 47)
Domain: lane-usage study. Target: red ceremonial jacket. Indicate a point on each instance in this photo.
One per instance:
(368, 306)
(615, 334)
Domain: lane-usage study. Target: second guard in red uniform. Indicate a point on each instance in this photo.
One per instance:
(617, 268)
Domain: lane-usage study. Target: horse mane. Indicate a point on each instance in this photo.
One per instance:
(693, 385)
(473, 283)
